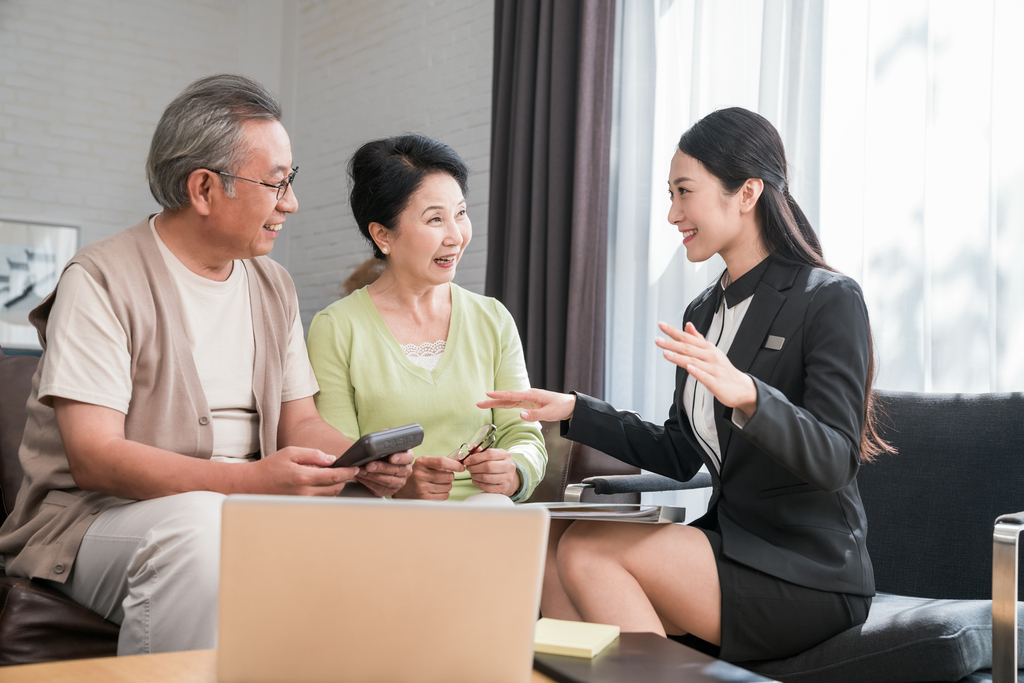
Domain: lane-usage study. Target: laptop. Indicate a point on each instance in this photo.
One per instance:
(334, 589)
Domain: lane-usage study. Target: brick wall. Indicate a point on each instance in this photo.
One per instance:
(83, 83)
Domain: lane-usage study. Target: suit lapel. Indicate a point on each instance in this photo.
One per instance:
(765, 306)
(754, 328)
(701, 317)
(705, 310)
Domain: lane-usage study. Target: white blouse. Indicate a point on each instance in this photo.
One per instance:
(698, 402)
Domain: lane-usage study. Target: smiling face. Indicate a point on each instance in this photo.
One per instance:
(431, 233)
(247, 224)
(709, 220)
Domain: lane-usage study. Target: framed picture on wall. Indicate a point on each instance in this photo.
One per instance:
(32, 257)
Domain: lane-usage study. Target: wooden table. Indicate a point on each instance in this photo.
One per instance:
(197, 666)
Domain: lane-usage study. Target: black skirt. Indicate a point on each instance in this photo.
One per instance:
(765, 617)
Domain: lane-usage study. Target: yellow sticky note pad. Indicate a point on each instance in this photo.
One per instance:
(572, 638)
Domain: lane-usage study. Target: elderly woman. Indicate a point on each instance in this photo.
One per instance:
(415, 347)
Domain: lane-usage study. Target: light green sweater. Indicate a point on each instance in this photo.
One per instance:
(367, 383)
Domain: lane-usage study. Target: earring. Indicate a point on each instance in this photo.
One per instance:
(385, 250)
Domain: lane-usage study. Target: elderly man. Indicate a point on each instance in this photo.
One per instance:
(174, 371)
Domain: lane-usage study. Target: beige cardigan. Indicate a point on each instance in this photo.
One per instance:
(168, 409)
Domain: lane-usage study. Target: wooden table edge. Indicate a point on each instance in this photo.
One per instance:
(195, 666)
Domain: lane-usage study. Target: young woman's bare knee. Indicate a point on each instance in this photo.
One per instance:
(554, 602)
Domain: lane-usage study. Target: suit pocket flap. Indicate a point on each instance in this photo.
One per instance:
(786, 490)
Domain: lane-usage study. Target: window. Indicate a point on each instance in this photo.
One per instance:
(899, 121)
(900, 126)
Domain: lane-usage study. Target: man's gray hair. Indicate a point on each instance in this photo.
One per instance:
(202, 128)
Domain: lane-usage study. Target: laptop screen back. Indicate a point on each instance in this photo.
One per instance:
(344, 589)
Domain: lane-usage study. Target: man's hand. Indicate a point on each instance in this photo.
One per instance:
(386, 477)
(493, 471)
(299, 471)
(301, 425)
(102, 459)
(431, 478)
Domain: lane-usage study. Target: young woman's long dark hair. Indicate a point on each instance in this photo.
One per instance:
(735, 145)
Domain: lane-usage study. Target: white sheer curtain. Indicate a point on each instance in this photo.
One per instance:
(922, 164)
(900, 122)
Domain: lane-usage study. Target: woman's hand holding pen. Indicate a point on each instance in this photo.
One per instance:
(545, 406)
(689, 350)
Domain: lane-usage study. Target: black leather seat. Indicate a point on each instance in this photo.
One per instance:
(37, 623)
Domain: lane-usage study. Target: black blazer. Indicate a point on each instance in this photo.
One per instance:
(786, 502)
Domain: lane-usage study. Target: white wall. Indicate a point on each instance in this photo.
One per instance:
(83, 83)
(369, 69)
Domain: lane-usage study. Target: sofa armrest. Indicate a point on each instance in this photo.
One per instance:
(633, 483)
(1005, 554)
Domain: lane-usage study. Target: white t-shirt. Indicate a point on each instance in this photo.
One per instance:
(87, 355)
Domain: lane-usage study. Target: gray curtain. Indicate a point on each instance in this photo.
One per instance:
(550, 142)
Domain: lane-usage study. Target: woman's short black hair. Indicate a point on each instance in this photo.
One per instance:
(384, 174)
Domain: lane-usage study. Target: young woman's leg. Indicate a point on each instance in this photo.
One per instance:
(642, 577)
(554, 603)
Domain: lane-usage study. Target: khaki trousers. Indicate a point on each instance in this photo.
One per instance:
(153, 567)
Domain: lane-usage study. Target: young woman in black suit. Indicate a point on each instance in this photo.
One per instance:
(773, 395)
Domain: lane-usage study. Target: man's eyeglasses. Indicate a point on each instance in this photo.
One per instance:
(281, 187)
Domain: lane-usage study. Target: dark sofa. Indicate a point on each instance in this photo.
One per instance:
(37, 623)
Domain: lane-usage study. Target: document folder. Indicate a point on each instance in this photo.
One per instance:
(610, 512)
